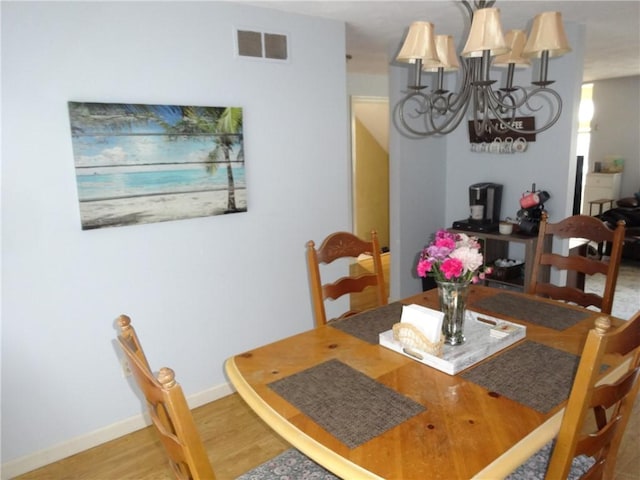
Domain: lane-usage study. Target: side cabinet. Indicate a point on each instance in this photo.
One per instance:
(601, 186)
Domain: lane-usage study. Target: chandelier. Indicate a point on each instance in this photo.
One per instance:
(421, 113)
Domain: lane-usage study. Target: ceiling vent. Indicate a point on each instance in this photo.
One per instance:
(261, 45)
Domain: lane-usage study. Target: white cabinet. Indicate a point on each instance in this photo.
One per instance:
(600, 186)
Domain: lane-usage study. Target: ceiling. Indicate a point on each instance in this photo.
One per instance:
(373, 28)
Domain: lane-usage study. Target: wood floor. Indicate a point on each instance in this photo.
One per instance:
(236, 441)
(235, 438)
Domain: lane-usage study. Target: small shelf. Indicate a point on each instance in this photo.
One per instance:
(496, 245)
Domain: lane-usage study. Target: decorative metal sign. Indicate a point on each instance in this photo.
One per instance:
(499, 131)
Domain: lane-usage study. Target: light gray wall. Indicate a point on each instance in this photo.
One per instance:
(418, 193)
(198, 290)
(430, 177)
(364, 85)
(616, 128)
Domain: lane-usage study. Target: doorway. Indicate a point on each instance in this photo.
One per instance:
(370, 184)
(370, 167)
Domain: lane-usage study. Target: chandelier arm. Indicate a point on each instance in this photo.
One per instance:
(422, 98)
(452, 122)
(457, 105)
(461, 97)
(525, 101)
(481, 104)
(497, 98)
(424, 104)
(469, 8)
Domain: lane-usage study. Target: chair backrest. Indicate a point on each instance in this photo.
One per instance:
(168, 409)
(577, 226)
(343, 245)
(610, 400)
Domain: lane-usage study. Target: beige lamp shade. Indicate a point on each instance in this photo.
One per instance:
(485, 34)
(515, 39)
(547, 33)
(448, 58)
(419, 44)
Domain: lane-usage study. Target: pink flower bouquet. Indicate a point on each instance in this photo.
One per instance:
(453, 257)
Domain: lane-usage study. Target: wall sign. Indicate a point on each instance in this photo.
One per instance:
(498, 131)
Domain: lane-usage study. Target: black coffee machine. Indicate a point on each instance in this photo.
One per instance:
(484, 208)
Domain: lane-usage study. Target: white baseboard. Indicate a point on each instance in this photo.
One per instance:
(75, 445)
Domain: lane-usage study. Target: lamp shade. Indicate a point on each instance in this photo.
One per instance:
(547, 33)
(485, 34)
(515, 39)
(419, 44)
(448, 58)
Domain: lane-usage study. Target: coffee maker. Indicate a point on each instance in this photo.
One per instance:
(484, 208)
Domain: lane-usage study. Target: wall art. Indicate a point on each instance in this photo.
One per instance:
(140, 164)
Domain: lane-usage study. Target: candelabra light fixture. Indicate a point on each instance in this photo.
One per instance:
(423, 113)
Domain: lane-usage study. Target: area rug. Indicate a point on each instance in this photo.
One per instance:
(289, 465)
(535, 468)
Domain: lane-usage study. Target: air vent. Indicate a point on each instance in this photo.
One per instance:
(254, 44)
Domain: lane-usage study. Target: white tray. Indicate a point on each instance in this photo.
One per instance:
(479, 344)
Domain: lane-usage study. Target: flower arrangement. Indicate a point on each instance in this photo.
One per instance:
(453, 257)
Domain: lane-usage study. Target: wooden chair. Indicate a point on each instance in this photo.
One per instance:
(343, 245)
(168, 409)
(173, 421)
(591, 451)
(577, 226)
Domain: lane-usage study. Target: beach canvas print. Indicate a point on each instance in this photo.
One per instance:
(139, 164)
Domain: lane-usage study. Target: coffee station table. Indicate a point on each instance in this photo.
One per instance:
(496, 245)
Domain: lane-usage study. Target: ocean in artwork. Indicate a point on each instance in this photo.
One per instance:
(142, 164)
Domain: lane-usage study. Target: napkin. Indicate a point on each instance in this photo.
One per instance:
(427, 320)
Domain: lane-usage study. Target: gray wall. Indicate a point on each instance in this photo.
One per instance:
(198, 290)
(615, 128)
(430, 177)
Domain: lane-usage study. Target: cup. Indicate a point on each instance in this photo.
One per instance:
(505, 228)
(520, 145)
(477, 212)
(529, 200)
(507, 145)
(494, 147)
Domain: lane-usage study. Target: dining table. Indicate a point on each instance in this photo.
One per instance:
(362, 410)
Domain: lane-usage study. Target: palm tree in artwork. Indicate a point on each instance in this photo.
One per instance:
(225, 124)
(227, 130)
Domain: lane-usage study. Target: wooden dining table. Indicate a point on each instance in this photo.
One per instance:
(364, 411)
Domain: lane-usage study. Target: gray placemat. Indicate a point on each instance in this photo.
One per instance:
(532, 311)
(368, 325)
(531, 373)
(351, 406)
